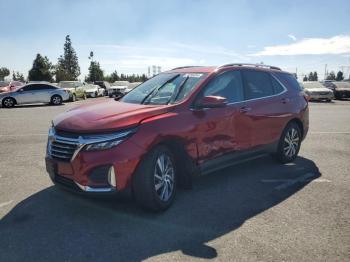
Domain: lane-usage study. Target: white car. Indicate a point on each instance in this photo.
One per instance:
(316, 91)
(93, 90)
(118, 88)
(34, 93)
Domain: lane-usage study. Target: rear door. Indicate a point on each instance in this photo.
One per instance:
(267, 105)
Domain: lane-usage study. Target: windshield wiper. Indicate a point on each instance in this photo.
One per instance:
(179, 89)
(156, 89)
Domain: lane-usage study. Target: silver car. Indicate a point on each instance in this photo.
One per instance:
(34, 93)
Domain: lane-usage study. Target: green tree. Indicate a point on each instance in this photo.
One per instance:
(68, 67)
(95, 72)
(311, 76)
(112, 77)
(305, 78)
(315, 76)
(340, 76)
(17, 76)
(42, 69)
(3, 73)
(331, 76)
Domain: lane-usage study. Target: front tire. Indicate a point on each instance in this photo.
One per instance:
(289, 144)
(8, 102)
(154, 183)
(56, 100)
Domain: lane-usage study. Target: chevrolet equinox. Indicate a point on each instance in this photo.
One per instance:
(186, 121)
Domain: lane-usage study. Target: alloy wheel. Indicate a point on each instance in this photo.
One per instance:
(8, 102)
(291, 143)
(56, 100)
(164, 177)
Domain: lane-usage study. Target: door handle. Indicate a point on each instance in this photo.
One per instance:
(285, 100)
(245, 109)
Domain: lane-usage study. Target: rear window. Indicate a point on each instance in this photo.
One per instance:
(257, 84)
(288, 80)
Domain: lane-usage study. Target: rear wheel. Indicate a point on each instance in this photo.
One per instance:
(8, 102)
(74, 98)
(56, 100)
(154, 183)
(289, 144)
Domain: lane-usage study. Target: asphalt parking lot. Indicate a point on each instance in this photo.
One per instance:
(255, 211)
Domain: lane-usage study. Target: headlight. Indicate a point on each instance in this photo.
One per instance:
(102, 145)
(106, 141)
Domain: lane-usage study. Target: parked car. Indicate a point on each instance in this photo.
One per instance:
(342, 89)
(131, 86)
(103, 84)
(74, 89)
(329, 84)
(118, 88)
(34, 93)
(93, 90)
(9, 86)
(317, 92)
(184, 122)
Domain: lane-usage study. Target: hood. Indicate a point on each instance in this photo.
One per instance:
(319, 89)
(5, 89)
(105, 116)
(90, 89)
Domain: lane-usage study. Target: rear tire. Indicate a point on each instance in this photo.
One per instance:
(289, 144)
(56, 100)
(154, 183)
(74, 98)
(8, 102)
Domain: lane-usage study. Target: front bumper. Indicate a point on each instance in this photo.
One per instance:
(329, 96)
(342, 93)
(90, 172)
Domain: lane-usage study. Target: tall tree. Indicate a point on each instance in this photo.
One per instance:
(340, 76)
(311, 76)
(305, 78)
(67, 67)
(331, 76)
(95, 72)
(315, 76)
(42, 69)
(4, 72)
(17, 76)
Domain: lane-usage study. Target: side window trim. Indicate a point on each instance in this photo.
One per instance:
(284, 87)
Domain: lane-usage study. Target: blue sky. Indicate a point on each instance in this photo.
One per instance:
(129, 36)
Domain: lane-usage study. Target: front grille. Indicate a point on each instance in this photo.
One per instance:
(62, 150)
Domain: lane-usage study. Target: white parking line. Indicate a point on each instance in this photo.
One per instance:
(290, 182)
(23, 135)
(5, 203)
(329, 132)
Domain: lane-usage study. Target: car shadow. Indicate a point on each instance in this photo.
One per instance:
(54, 225)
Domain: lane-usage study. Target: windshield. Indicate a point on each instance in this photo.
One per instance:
(164, 89)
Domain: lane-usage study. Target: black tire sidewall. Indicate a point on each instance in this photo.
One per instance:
(280, 152)
(143, 181)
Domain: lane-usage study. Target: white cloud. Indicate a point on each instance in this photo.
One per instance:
(310, 46)
(291, 36)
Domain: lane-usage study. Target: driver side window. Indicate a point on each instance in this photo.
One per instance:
(227, 85)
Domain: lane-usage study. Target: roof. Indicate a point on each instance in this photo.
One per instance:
(210, 69)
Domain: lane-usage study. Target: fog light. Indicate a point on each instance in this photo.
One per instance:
(111, 177)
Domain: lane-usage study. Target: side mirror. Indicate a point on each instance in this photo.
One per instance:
(211, 102)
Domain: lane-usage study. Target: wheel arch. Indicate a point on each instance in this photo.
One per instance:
(9, 97)
(299, 123)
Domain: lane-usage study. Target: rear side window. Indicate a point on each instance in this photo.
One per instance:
(276, 85)
(257, 84)
(228, 85)
(289, 80)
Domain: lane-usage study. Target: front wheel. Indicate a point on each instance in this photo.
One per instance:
(289, 144)
(56, 100)
(154, 183)
(8, 102)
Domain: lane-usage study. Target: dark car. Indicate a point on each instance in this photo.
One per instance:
(183, 122)
(341, 90)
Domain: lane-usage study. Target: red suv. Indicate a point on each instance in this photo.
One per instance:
(190, 120)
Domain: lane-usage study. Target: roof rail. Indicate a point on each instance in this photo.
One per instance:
(252, 65)
(182, 67)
